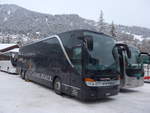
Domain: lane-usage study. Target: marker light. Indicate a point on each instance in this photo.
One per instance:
(89, 80)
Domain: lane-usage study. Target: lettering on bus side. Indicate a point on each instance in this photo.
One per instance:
(46, 77)
(42, 76)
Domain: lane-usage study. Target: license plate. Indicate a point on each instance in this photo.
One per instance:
(107, 83)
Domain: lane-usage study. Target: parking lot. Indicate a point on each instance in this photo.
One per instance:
(19, 96)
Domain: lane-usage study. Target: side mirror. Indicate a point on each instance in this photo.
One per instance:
(125, 47)
(145, 57)
(14, 59)
(89, 41)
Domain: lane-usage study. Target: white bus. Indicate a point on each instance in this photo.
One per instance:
(147, 72)
(8, 61)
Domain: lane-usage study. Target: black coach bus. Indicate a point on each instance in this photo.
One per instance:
(79, 63)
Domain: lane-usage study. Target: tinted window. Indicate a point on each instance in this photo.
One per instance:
(49, 54)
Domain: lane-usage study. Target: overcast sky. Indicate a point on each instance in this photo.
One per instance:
(126, 12)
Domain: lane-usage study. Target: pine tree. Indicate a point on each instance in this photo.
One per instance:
(3, 40)
(101, 22)
(113, 30)
(8, 39)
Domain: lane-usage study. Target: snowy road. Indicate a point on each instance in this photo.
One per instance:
(18, 96)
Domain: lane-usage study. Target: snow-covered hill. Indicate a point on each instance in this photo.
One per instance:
(20, 24)
(15, 19)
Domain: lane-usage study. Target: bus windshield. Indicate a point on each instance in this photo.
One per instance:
(100, 57)
(134, 62)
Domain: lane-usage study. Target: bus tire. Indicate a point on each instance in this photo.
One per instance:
(26, 76)
(57, 86)
(23, 74)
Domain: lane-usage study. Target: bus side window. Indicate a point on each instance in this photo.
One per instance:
(145, 58)
(77, 58)
(76, 53)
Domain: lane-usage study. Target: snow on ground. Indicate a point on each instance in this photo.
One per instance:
(18, 96)
(138, 37)
(8, 12)
(148, 38)
(5, 19)
(135, 37)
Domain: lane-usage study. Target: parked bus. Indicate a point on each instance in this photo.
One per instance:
(132, 70)
(79, 63)
(8, 61)
(147, 68)
(147, 72)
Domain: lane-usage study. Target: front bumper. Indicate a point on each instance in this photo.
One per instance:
(94, 93)
(133, 82)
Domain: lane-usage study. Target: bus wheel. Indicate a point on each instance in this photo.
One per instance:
(26, 76)
(57, 86)
(22, 74)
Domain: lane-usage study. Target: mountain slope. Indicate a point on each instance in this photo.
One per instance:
(15, 19)
(20, 24)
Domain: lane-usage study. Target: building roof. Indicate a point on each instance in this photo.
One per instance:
(8, 47)
(3, 46)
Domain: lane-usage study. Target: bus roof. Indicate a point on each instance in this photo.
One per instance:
(77, 30)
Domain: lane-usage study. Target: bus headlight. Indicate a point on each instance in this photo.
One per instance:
(93, 83)
(90, 82)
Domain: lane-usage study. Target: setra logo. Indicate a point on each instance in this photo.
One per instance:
(104, 78)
